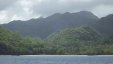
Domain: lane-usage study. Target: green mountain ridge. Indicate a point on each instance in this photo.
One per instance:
(82, 40)
(43, 27)
(13, 44)
(68, 33)
(81, 33)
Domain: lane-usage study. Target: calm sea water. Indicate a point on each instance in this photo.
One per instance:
(56, 59)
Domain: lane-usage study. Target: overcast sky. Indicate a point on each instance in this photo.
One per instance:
(26, 9)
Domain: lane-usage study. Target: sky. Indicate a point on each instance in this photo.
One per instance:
(26, 9)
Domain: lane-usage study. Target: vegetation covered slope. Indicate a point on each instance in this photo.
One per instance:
(68, 39)
(82, 40)
(12, 43)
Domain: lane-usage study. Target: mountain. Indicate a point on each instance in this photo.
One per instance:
(10, 42)
(104, 25)
(68, 33)
(83, 34)
(13, 44)
(43, 27)
(81, 40)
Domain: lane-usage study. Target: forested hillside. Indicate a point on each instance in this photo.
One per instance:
(67, 33)
(81, 40)
(12, 44)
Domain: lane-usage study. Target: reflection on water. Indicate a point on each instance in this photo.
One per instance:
(56, 59)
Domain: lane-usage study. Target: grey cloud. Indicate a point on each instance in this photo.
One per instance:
(53, 6)
(105, 2)
(6, 3)
(48, 7)
(26, 9)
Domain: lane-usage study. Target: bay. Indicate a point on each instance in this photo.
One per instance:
(56, 59)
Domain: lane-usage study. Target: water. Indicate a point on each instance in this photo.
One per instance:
(56, 59)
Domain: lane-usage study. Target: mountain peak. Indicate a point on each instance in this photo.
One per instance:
(67, 13)
(108, 18)
(87, 14)
(56, 14)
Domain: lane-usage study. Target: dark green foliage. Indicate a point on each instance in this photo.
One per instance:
(74, 35)
(12, 43)
(82, 40)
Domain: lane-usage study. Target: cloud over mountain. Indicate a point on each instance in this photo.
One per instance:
(26, 9)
